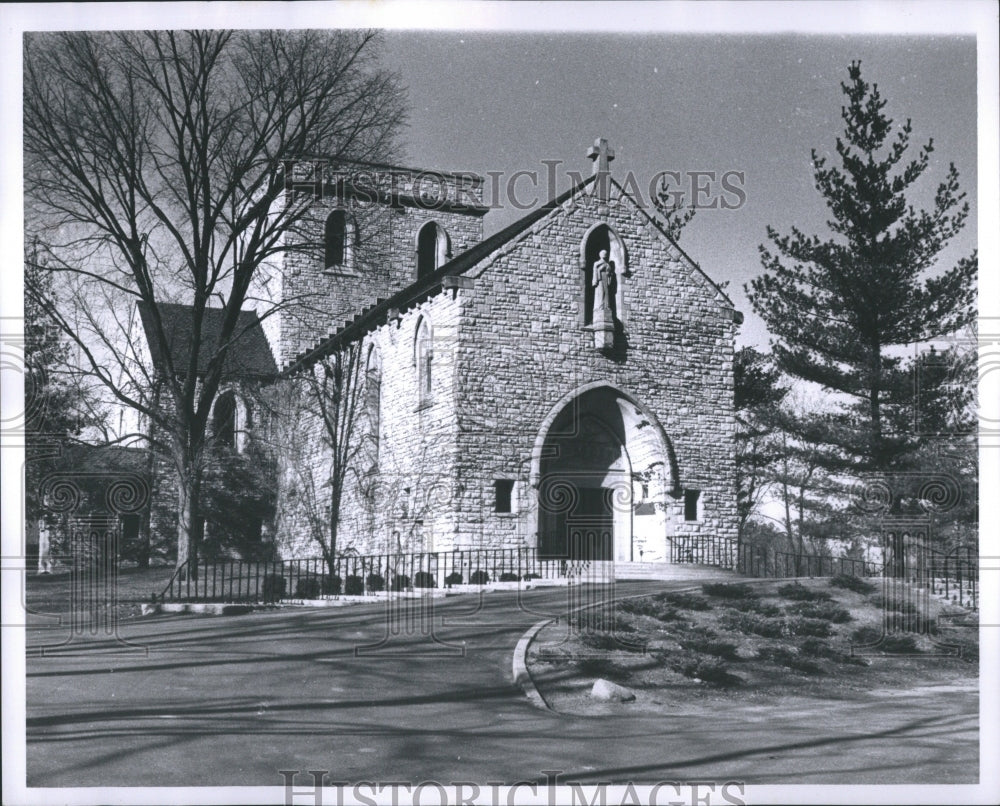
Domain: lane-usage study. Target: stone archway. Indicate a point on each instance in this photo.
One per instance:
(600, 466)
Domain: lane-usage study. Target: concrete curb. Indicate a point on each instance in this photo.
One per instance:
(224, 609)
(522, 677)
(198, 608)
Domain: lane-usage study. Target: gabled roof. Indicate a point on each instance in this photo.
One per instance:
(425, 287)
(378, 313)
(249, 355)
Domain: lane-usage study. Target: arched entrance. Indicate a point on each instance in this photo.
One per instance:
(601, 465)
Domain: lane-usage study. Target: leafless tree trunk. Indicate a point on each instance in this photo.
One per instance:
(155, 172)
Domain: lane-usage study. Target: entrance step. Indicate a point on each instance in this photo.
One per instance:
(668, 571)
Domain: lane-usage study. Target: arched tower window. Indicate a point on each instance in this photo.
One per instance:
(335, 239)
(340, 237)
(224, 420)
(433, 248)
(423, 354)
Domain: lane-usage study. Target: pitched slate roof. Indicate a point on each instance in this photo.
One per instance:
(427, 286)
(249, 355)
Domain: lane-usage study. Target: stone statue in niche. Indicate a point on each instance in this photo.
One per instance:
(604, 286)
(604, 282)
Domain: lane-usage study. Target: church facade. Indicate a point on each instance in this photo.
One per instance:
(568, 379)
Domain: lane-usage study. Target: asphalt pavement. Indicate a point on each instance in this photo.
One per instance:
(371, 695)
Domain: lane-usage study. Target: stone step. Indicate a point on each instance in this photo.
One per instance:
(656, 570)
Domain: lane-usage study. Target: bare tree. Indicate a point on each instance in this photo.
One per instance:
(155, 171)
(331, 395)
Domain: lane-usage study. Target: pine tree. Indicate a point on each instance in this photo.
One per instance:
(758, 391)
(836, 307)
(56, 411)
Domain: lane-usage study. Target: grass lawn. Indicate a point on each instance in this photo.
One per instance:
(755, 642)
(51, 593)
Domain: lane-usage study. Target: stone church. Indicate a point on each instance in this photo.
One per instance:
(571, 375)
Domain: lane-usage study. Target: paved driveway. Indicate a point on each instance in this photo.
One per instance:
(234, 700)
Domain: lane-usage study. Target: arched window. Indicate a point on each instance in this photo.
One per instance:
(433, 248)
(224, 420)
(373, 398)
(339, 236)
(602, 238)
(424, 360)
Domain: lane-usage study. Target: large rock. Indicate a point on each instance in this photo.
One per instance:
(611, 692)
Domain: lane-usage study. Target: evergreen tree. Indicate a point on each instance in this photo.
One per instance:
(758, 391)
(56, 410)
(836, 307)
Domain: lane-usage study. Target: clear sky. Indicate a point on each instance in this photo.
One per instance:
(755, 103)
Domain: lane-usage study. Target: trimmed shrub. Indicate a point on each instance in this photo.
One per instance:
(709, 670)
(755, 606)
(725, 590)
(479, 577)
(828, 611)
(272, 587)
(851, 583)
(638, 607)
(752, 624)
(331, 585)
(375, 582)
(816, 648)
(528, 577)
(509, 576)
(800, 625)
(866, 635)
(666, 613)
(596, 666)
(425, 579)
(307, 588)
(686, 601)
(623, 625)
(783, 656)
(605, 641)
(902, 643)
(354, 585)
(801, 593)
(454, 578)
(400, 582)
(721, 649)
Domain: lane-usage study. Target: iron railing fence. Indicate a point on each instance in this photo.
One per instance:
(231, 580)
(953, 574)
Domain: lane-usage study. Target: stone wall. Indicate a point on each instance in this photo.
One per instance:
(318, 300)
(508, 352)
(400, 497)
(523, 348)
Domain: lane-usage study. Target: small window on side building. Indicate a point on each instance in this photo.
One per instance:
(692, 505)
(503, 495)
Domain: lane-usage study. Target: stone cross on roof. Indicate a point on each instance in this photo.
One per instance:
(602, 154)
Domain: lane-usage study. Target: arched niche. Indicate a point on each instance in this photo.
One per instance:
(602, 237)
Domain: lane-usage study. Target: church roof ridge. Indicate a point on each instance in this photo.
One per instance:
(427, 286)
(655, 221)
